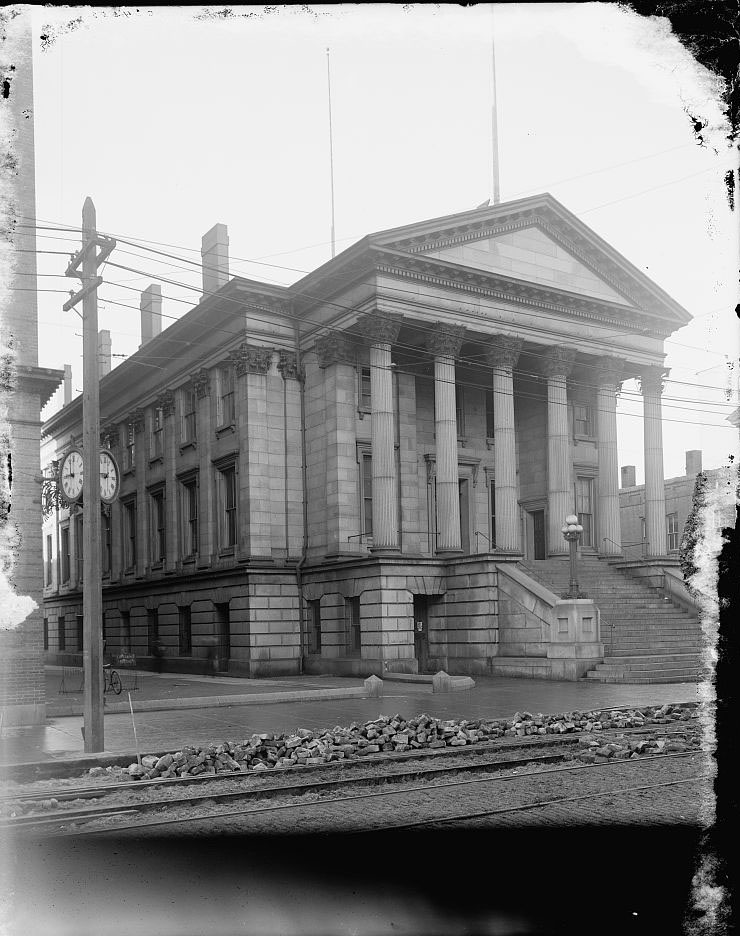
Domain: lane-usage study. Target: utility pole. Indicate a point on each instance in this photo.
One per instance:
(92, 591)
(331, 156)
(494, 120)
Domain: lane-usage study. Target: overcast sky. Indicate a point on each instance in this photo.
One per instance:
(173, 120)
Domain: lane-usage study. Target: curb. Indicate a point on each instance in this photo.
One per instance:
(198, 702)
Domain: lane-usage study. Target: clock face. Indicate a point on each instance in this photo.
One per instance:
(70, 475)
(108, 477)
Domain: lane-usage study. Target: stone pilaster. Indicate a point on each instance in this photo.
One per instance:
(381, 332)
(142, 508)
(167, 402)
(651, 386)
(445, 344)
(255, 520)
(503, 355)
(557, 367)
(206, 533)
(608, 525)
(336, 354)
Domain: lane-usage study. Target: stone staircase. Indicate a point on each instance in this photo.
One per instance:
(646, 638)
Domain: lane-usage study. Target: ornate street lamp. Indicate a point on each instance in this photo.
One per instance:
(572, 530)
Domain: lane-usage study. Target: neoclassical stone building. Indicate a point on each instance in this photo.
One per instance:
(345, 474)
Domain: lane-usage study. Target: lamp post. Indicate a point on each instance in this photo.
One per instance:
(571, 531)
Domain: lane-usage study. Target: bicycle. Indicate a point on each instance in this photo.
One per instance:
(111, 679)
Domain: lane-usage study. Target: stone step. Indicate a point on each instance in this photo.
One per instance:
(641, 680)
(650, 660)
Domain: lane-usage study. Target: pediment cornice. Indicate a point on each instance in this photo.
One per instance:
(442, 273)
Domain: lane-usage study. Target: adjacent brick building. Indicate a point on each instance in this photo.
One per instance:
(333, 476)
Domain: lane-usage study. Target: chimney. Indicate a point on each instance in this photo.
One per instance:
(628, 476)
(693, 462)
(67, 384)
(151, 313)
(104, 355)
(214, 253)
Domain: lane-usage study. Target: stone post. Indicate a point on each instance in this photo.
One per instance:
(651, 386)
(558, 365)
(382, 332)
(608, 525)
(503, 355)
(445, 343)
(202, 387)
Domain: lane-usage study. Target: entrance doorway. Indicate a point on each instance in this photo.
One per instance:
(421, 632)
(223, 636)
(538, 532)
(464, 496)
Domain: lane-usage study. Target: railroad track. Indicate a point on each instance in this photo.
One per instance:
(339, 789)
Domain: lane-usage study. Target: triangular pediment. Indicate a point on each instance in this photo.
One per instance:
(531, 255)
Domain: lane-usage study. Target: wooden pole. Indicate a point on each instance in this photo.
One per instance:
(92, 594)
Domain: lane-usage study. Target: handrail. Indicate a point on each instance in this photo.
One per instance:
(642, 543)
(491, 545)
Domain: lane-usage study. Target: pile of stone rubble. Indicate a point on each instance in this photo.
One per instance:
(393, 733)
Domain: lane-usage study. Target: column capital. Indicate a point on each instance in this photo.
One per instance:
(335, 348)
(446, 339)
(558, 361)
(652, 379)
(609, 370)
(109, 437)
(202, 383)
(288, 366)
(504, 351)
(250, 359)
(380, 327)
(136, 419)
(166, 401)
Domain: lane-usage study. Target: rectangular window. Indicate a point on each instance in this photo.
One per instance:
(126, 630)
(129, 461)
(583, 419)
(227, 494)
(225, 398)
(105, 543)
(364, 396)
(460, 410)
(584, 509)
(314, 625)
(186, 631)
(189, 517)
(129, 534)
(65, 554)
(352, 634)
(492, 532)
(61, 633)
(79, 629)
(156, 449)
(79, 557)
(366, 491)
(188, 416)
(158, 545)
(48, 560)
(489, 414)
(152, 631)
(673, 535)
(46, 633)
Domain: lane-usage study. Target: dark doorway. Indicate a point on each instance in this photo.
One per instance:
(421, 632)
(538, 524)
(223, 636)
(464, 496)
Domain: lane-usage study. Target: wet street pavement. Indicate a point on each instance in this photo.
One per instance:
(158, 731)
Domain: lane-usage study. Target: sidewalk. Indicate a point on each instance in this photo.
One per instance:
(232, 719)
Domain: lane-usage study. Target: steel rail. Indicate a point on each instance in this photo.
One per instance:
(425, 788)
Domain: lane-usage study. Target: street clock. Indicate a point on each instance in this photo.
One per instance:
(70, 475)
(109, 477)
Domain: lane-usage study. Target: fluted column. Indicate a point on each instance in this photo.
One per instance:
(445, 344)
(558, 365)
(382, 331)
(608, 525)
(503, 355)
(651, 386)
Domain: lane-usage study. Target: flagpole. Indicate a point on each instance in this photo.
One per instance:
(331, 155)
(494, 120)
